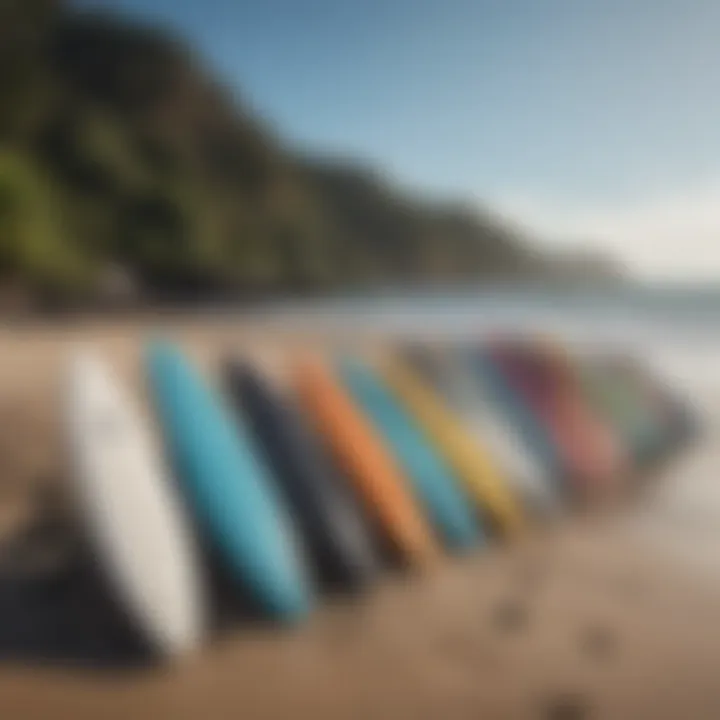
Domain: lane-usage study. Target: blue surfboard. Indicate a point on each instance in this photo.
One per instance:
(430, 479)
(228, 486)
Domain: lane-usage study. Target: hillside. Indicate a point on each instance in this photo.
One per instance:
(118, 150)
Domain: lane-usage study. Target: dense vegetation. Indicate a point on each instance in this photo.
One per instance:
(118, 151)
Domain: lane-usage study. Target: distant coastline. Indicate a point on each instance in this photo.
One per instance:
(129, 176)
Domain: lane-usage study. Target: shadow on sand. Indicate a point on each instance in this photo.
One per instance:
(64, 614)
(65, 618)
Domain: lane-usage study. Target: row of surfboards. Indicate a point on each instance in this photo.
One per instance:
(345, 464)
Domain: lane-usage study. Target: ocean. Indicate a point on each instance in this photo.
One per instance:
(677, 330)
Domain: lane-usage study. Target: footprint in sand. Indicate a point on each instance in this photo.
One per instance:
(466, 651)
(568, 706)
(511, 616)
(599, 642)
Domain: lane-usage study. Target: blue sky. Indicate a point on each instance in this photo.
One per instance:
(591, 121)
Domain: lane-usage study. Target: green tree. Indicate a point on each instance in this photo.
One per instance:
(32, 246)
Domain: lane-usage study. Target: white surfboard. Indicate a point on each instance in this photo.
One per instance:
(529, 480)
(473, 403)
(132, 512)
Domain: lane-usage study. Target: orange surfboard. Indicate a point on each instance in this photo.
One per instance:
(362, 455)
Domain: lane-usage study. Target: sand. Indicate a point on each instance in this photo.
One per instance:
(609, 615)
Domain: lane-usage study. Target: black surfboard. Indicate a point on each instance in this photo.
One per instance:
(332, 525)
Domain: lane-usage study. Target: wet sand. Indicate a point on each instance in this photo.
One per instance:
(611, 615)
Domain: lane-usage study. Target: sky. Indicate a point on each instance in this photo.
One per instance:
(593, 123)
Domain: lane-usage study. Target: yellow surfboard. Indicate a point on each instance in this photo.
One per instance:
(472, 464)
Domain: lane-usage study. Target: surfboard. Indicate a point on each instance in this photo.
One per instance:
(473, 465)
(587, 470)
(603, 442)
(229, 486)
(376, 476)
(678, 416)
(510, 402)
(133, 515)
(653, 401)
(605, 397)
(449, 371)
(332, 524)
(616, 398)
(436, 489)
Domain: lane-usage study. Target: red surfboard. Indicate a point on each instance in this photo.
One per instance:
(610, 447)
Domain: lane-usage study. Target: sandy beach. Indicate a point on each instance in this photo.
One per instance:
(609, 615)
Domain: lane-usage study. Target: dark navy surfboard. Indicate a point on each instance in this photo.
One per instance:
(325, 512)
